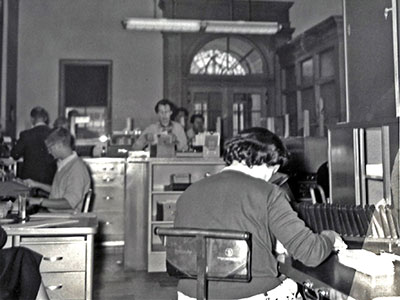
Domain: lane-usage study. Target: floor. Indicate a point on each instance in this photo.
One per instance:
(112, 282)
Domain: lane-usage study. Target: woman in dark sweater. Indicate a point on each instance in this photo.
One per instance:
(19, 272)
(240, 198)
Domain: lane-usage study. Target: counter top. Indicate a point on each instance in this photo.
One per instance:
(55, 224)
(338, 280)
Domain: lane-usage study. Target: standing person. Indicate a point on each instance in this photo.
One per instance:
(37, 164)
(164, 126)
(72, 180)
(240, 198)
(197, 129)
(181, 115)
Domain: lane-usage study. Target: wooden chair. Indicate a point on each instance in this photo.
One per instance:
(87, 200)
(207, 255)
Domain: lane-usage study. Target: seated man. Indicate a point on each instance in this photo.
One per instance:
(19, 272)
(164, 126)
(72, 179)
(241, 198)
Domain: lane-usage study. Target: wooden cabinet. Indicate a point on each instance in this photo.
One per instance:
(167, 180)
(108, 175)
(312, 73)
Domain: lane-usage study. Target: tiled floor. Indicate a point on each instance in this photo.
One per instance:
(112, 282)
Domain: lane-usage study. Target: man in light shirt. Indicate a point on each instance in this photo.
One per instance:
(164, 126)
(71, 181)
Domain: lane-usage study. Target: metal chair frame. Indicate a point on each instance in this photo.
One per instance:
(201, 236)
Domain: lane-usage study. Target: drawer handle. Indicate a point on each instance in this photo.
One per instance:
(108, 179)
(54, 287)
(52, 258)
(108, 198)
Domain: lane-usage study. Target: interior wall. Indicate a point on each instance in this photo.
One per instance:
(306, 13)
(50, 30)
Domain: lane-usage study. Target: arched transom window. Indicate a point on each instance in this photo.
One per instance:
(227, 56)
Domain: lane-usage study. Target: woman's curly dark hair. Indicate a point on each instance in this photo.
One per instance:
(256, 146)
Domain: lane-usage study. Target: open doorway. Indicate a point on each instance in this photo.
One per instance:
(85, 90)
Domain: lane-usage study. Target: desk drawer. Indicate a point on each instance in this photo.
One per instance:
(107, 179)
(107, 167)
(111, 222)
(109, 198)
(65, 285)
(60, 257)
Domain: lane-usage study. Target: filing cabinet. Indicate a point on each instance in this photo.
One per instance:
(108, 180)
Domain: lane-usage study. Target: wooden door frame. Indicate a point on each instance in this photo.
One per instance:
(227, 92)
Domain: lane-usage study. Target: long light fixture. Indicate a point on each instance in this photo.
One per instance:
(210, 26)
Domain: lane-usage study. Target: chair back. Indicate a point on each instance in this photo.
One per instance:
(207, 255)
(87, 201)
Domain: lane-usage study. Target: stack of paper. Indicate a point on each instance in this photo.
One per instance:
(367, 262)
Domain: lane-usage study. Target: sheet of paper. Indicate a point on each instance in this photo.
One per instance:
(367, 262)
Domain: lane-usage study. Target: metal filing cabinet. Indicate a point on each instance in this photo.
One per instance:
(63, 266)
(108, 175)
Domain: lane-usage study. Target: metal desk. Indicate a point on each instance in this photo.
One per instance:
(67, 251)
(333, 280)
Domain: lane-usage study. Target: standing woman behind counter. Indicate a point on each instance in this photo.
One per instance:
(164, 126)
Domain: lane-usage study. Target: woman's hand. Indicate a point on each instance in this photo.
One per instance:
(338, 243)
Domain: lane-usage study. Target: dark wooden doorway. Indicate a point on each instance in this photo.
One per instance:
(86, 85)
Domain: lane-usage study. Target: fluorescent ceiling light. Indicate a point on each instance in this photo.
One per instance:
(242, 27)
(210, 26)
(174, 25)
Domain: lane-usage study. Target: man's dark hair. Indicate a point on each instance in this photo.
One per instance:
(59, 135)
(256, 146)
(164, 102)
(38, 113)
(195, 116)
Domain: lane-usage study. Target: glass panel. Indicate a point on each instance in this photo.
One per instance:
(255, 102)
(235, 119)
(255, 110)
(373, 145)
(227, 56)
(308, 103)
(307, 71)
(327, 64)
(291, 108)
(331, 107)
(290, 78)
(241, 116)
(90, 121)
(375, 191)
